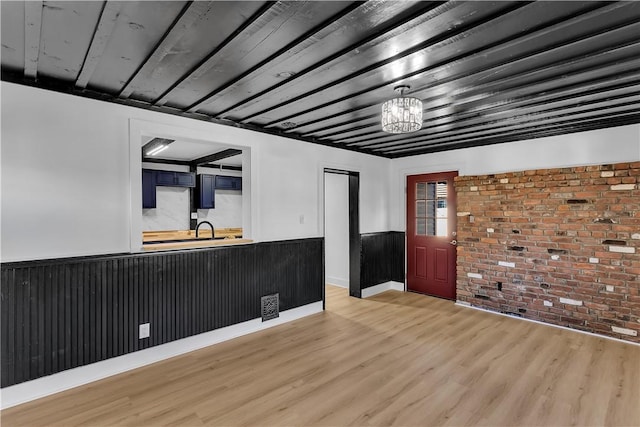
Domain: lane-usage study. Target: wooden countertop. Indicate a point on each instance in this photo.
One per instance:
(150, 236)
(194, 244)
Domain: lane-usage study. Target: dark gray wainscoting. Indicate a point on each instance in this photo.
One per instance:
(64, 313)
(382, 258)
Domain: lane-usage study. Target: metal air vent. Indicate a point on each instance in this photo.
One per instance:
(288, 125)
(270, 306)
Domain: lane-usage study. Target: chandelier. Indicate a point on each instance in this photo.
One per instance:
(402, 114)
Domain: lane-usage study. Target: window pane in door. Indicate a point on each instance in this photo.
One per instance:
(421, 226)
(441, 208)
(441, 191)
(431, 208)
(441, 211)
(431, 226)
(431, 190)
(421, 190)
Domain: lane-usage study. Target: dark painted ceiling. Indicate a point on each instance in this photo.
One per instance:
(487, 72)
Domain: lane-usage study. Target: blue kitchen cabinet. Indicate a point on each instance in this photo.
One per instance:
(206, 192)
(148, 189)
(175, 179)
(224, 182)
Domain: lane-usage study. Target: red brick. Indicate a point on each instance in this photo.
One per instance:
(535, 204)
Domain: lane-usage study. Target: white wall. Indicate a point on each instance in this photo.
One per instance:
(68, 187)
(65, 176)
(603, 146)
(336, 229)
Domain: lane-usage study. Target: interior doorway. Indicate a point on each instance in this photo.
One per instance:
(342, 229)
(431, 234)
(336, 229)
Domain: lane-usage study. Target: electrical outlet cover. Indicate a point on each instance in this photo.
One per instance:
(145, 330)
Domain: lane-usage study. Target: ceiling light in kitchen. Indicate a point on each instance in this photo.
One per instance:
(155, 146)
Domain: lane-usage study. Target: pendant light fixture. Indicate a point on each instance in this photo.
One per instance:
(402, 114)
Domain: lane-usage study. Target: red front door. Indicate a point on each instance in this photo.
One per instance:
(431, 234)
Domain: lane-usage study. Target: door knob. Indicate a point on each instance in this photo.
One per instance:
(454, 242)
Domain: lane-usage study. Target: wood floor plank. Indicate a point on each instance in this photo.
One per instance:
(394, 359)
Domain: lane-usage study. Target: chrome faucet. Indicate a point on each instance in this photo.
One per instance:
(210, 225)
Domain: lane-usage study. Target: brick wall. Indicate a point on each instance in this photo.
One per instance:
(556, 245)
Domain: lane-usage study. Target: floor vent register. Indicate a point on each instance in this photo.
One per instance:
(270, 306)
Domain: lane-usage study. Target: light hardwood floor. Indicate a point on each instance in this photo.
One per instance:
(394, 359)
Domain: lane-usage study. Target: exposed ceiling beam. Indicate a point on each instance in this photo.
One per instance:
(481, 117)
(32, 29)
(533, 133)
(104, 29)
(220, 166)
(312, 33)
(271, 58)
(64, 87)
(384, 32)
(535, 69)
(334, 127)
(486, 123)
(521, 38)
(530, 126)
(581, 109)
(189, 15)
(470, 116)
(491, 69)
(577, 84)
(230, 152)
(516, 96)
(514, 99)
(167, 161)
(610, 122)
(561, 129)
(210, 60)
(334, 116)
(420, 47)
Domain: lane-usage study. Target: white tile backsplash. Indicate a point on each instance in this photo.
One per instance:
(171, 212)
(228, 211)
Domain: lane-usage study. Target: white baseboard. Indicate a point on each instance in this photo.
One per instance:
(41, 387)
(466, 304)
(382, 287)
(336, 281)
